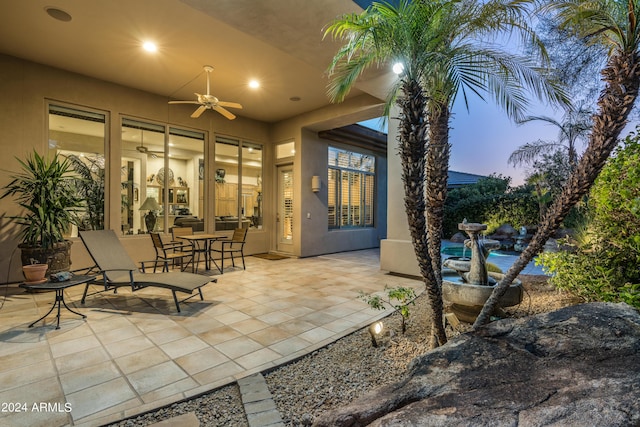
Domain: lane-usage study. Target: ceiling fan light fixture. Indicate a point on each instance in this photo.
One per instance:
(209, 102)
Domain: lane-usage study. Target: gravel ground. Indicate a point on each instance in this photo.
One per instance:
(337, 374)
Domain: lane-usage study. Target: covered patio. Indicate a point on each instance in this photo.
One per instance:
(134, 352)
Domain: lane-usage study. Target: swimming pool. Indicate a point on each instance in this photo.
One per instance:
(499, 258)
(455, 250)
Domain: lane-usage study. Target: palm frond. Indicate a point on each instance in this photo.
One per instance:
(528, 152)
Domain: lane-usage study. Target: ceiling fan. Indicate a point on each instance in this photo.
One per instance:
(144, 150)
(210, 102)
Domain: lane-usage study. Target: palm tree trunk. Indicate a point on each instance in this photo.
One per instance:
(437, 176)
(413, 150)
(622, 79)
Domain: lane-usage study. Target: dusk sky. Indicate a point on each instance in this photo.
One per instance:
(483, 138)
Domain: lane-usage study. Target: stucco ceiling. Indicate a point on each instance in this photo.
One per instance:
(277, 42)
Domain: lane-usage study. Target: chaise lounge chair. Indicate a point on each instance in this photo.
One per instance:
(118, 269)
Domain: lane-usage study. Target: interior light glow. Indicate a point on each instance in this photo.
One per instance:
(254, 84)
(150, 46)
(398, 68)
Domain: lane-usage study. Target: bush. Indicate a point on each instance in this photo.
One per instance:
(604, 266)
(490, 201)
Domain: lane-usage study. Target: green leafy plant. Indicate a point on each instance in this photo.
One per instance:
(402, 296)
(604, 263)
(90, 186)
(490, 201)
(45, 189)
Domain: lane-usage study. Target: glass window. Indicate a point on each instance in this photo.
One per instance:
(186, 162)
(238, 175)
(79, 135)
(285, 150)
(251, 207)
(162, 176)
(351, 189)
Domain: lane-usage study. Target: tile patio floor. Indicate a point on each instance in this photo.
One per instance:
(134, 352)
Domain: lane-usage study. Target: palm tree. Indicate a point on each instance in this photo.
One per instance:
(575, 126)
(446, 50)
(611, 24)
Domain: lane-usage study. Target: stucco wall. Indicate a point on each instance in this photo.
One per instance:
(316, 238)
(311, 235)
(396, 251)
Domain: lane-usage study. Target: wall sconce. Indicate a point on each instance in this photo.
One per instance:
(376, 330)
(315, 183)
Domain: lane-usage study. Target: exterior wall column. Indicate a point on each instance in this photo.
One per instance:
(396, 251)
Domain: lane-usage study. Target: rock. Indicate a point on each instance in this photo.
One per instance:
(579, 365)
(505, 231)
(506, 235)
(551, 245)
(507, 244)
(458, 238)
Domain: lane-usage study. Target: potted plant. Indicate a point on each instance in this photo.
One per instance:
(45, 189)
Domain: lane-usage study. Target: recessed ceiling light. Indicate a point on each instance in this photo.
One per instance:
(398, 68)
(254, 84)
(150, 46)
(58, 14)
(295, 98)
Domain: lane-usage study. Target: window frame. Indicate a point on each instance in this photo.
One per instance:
(241, 144)
(366, 175)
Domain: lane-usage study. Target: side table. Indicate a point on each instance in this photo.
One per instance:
(59, 287)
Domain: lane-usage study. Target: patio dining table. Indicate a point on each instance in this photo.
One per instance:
(200, 244)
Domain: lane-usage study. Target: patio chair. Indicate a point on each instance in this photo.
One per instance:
(169, 252)
(181, 245)
(232, 247)
(118, 269)
(176, 232)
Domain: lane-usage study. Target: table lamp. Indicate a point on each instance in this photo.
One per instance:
(151, 205)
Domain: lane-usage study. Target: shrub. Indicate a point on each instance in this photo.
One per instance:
(604, 266)
(490, 201)
(402, 297)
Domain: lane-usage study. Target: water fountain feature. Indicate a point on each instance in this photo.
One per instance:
(467, 284)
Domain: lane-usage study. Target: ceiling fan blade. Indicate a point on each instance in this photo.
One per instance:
(184, 102)
(198, 111)
(229, 104)
(224, 112)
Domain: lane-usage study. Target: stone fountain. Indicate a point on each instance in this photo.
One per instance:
(467, 284)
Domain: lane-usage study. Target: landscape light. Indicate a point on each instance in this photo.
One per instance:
(376, 330)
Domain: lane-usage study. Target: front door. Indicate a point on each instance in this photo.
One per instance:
(284, 216)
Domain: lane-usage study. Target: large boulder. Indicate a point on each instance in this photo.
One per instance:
(578, 366)
(506, 235)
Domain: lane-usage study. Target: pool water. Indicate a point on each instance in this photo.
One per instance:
(500, 258)
(462, 251)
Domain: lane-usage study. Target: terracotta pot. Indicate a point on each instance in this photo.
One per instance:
(34, 273)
